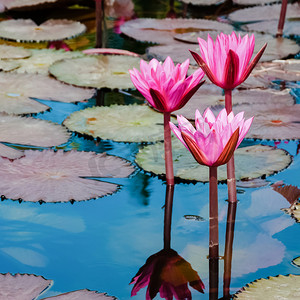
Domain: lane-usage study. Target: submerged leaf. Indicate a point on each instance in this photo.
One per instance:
(30, 131)
(110, 71)
(60, 176)
(9, 152)
(121, 123)
(272, 288)
(24, 30)
(251, 162)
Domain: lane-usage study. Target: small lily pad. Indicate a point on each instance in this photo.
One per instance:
(252, 183)
(121, 123)
(13, 52)
(60, 176)
(294, 211)
(30, 131)
(9, 152)
(26, 30)
(110, 71)
(7, 66)
(251, 162)
(162, 31)
(272, 288)
(296, 261)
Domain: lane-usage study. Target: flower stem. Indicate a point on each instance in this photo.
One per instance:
(99, 17)
(168, 216)
(231, 213)
(168, 150)
(281, 18)
(213, 234)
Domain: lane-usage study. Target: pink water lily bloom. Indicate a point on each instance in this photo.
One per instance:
(227, 61)
(164, 85)
(214, 139)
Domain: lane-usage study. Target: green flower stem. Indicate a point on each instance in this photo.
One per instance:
(168, 216)
(231, 213)
(99, 17)
(168, 150)
(282, 18)
(213, 234)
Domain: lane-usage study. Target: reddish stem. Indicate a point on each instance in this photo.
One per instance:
(168, 216)
(99, 17)
(281, 18)
(213, 234)
(168, 150)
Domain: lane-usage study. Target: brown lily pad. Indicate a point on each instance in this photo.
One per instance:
(60, 176)
(30, 131)
(26, 30)
(211, 95)
(263, 13)
(251, 162)
(110, 71)
(289, 192)
(12, 52)
(8, 152)
(162, 31)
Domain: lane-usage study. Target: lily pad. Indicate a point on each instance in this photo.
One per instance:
(251, 162)
(121, 123)
(110, 71)
(29, 286)
(23, 4)
(272, 288)
(60, 176)
(289, 192)
(26, 30)
(296, 261)
(30, 131)
(252, 183)
(203, 2)
(211, 95)
(18, 88)
(13, 52)
(263, 13)
(7, 66)
(41, 59)
(8, 152)
(253, 2)
(276, 49)
(162, 31)
(294, 211)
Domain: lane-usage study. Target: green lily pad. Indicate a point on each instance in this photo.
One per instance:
(121, 123)
(7, 66)
(110, 71)
(13, 52)
(252, 2)
(251, 162)
(296, 261)
(272, 288)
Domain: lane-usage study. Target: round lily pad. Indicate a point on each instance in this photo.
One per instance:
(30, 131)
(263, 13)
(296, 261)
(210, 95)
(13, 52)
(110, 71)
(272, 288)
(26, 30)
(276, 49)
(162, 31)
(7, 66)
(252, 2)
(203, 2)
(60, 176)
(251, 162)
(121, 123)
(10, 152)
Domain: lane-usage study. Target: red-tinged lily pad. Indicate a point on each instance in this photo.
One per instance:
(263, 13)
(203, 2)
(211, 95)
(30, 131)
(110, 71)
(12, 52)
(9, 152)
(60, 176)
(162, 31)
(26, 30)
(41, 59)
(289, 192)
(121, 123)
(29, 286)
(272, 288)
(18, 88)
(251, 162)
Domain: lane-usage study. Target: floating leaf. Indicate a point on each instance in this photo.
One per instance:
(296, 261)
(276, 49)
(60, 176)
(82, 295)
(252, 2)
(251, 162)
(110, 71)
(25, 4)
(41, 59)
(203, 2)
(26, 30)
(9, 152)
(7, 66)
(30, 131)
(162, 31)
(294, 211)
(121, 123)
(272, 288)
(210, 95)
(263, 13)
(252, 183)
(13, 52)
(289, 192)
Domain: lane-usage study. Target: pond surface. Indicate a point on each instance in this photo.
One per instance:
(100, 244)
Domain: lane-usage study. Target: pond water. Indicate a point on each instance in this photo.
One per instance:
(100, 244)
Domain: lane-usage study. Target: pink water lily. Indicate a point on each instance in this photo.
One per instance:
(214, 139)
(227, 61)
(165, 86)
